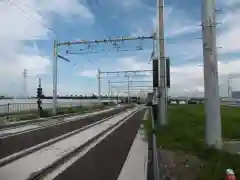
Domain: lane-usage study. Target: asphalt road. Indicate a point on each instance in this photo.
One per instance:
(106, 159)
(20, 142)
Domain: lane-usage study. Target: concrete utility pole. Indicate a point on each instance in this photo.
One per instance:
(213, 132)
(162, 119)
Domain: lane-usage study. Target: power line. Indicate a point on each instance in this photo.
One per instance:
(109, 40)
(30, 18)
(26, 4)
(130, 81)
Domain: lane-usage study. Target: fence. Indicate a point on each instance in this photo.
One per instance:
(230, 102)
(20, 107)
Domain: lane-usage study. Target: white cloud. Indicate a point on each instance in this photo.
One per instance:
(36, 65)
(132, 63)
(11, 17)
(120, 64)
(30, 20)
(130, 5)
(139, 32)
(229, 39)
(181, 30)
(65, 8)
(229, 3)
(88, 73)
(186, 80)
(190, 77)
(185, 51)
(176, 23)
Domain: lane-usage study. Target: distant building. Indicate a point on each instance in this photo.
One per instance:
(236, 94)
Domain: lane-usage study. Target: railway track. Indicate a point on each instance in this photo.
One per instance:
(50, 158)
(42, 119)
(108, 159)
(19, 141)
(11, 131)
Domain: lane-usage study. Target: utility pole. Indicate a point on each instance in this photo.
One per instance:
(109, 91)
(128, 90)
(229, 88)
(161, 65)
(117, 97)
(25, 83)
(55, 74)
(99, 86)
(54, 77)
(213, 132)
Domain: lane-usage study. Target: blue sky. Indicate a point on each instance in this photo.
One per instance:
(31, 26)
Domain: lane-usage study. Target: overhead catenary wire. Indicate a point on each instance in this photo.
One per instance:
(87, 42)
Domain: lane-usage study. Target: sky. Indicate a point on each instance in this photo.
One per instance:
(28, 28)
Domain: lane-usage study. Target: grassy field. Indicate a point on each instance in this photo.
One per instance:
(185, 134)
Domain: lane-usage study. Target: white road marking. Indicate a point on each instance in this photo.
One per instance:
(135, 166)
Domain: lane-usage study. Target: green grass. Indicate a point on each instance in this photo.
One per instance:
(185, 133)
